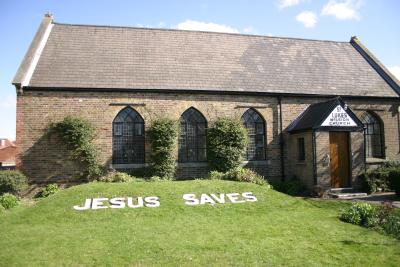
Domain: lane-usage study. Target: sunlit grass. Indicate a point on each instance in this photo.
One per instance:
(275, 230)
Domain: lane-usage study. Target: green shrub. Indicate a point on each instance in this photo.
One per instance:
(392, 226)
(384, 211)
(215, 175)
(244, 175)
(12, 182)
(394, 179)
(155, 178)
(8, 201)
(78, 134)
(226, 144)
(382, 218)
(375, 180)
(293, 187)
(360, 213)
(240, 175)
(163, 135)
(382, 178)
(117, 177)
(49, 190)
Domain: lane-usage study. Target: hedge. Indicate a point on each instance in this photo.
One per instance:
(226, 144)
(163, 135)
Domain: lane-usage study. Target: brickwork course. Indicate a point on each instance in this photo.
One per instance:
(94, 72)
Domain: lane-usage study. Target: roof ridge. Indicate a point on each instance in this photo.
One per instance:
(211, 32)
(392, 80)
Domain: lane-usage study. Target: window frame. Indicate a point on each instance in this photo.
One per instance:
(253, 136)
(127, 136)
(301, 149)
(371, 138)
(198, 136)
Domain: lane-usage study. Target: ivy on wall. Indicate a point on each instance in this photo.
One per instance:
(77, 134)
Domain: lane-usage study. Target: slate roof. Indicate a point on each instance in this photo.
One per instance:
(84, 56)
(314, 115)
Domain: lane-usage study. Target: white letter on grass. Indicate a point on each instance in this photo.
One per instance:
(88, 201)
(190, 199)
(233, 197)
(220, 199)
(138, 205)
(97, 203)
(117, 203)
(249, 196)
(206, 199)
(152, 202)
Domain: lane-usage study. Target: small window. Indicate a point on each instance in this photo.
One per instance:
(301, 153)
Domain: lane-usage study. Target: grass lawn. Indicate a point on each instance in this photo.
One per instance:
(275, 230)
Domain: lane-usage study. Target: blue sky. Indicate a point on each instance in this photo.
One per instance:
(376, 24)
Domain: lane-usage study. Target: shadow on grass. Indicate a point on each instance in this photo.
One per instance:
(357, 243)
(350, 242)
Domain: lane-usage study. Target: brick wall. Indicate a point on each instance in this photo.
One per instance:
(303, 170)
(44, 159)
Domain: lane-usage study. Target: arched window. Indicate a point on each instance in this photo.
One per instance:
(192, 138)
(373, 136)
(255, 126)
(128, 137)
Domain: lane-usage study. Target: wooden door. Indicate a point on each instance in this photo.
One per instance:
(339, 154)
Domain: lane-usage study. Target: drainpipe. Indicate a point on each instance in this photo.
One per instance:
(314, 151)
(281, 141)
(365, 149)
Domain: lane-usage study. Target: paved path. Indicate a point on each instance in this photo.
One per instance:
(378, 198)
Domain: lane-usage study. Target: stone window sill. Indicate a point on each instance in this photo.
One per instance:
(129, 166)
(192, 164)
(375, 160)
(254, 162)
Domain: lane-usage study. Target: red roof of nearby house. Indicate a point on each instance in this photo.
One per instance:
(6, 143)
(8, 151)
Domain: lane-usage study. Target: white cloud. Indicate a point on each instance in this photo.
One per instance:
(7, 116)
(346, 10)
(250, 30)
(395, 70)
(205, 26)
(288, 3)
(308, 18)
(8, 102)
(161, 24)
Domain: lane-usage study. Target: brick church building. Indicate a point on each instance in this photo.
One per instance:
(322, 111)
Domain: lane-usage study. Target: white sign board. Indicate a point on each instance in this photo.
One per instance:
(339, 117)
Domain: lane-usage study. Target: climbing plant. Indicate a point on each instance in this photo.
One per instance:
(78, 134)
(163, 135)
